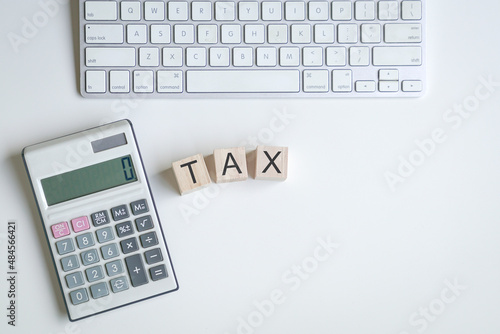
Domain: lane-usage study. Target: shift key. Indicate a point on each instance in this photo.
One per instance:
(112, 57)
(136, 271)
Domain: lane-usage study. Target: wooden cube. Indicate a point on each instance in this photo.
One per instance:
(230, 164)
(191, 173)
(271, 163)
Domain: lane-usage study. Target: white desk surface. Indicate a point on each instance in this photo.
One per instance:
(422, 258)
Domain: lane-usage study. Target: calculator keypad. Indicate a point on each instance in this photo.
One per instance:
(90, 252)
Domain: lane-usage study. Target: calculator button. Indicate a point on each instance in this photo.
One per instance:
(60, 229)
(124, 229)
(119, 212)
(85, 240)
(74, 279)
(144, 223)
(104, 234)
(149, 239)
(94, 273)
(80, 224)
(153, 256)
(70, 262)
(65, 246)
(109, 251)
(139, 207)
(136, 270)
(99, 290)
(129, 245)
(158, 272)
(114, 268)
(100, 218)
(89, 257)
(79, 296)
(119, 284)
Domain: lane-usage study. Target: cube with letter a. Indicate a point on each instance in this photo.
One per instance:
(271, 163)
(191, 173)
(230, 164)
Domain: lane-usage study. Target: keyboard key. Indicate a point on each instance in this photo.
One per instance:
(301, 33)
(148, 239)
(137, 34)
(271, 10)
(238, 81)
(336, 56)
(207, 33)
(412, 86)
(359, 56)
(254, 34)
(242, 57)
(85, 240)
(277, 33)
(60, 230)
(101, 217)
(95, 81)
(391, 75)
(158, 272)
(178, 11)
(119, 82)
(104, 235)
(201, 11)
(266, 56)
(411, 10)
(69, 263)
(295, 11)
(109, 251)
(365, 86)
(74, 280)
(129, 245)
(219, 57)
(172, 57)
(224, 11)
(144, 223)
(364, 10)
(312, 56)
(136, 271)
(248, 10)
(94, 274)
(169, 82)
(347, 33)
(388, 86)
(101, 11)
(318, 10)
(79, 296)
(65, 246)
(341, 10)
(231, 33)
(370, 33)
(397, 55)
(99, 290)
(196, 57)
(114, 268)
(154, 11)
(388, 10)
(324, 33)
(149, 57)
(153, 256)
(124, 229)
(119, 212)
(403, 33)
(160, 34)
(316, 81)
(100, 57)
(130, 10)
(119, 284)
(104, 33)
(89, 257)
(341, 81)
(184, 34)
(80, 224)
(289, 56)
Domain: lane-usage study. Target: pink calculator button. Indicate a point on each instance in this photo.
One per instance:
(60, 229)
(80, 224)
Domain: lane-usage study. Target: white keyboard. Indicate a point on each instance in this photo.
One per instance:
(166, 49)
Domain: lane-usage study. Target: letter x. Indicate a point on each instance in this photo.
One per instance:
(271, 162)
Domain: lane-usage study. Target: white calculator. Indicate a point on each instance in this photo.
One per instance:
(100, 219)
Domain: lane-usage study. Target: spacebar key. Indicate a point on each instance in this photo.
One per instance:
(247, 81)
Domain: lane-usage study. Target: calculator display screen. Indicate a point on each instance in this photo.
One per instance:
(88, 180)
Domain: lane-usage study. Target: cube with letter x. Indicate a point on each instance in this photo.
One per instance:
(271, 163)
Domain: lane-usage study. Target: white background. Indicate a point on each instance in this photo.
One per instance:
(398, 251)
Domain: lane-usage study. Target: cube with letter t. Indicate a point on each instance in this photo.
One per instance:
(271, 163)
(230, 164)
(191, 173)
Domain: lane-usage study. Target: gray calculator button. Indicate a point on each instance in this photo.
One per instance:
(94, 274)
(114, 268)
(144, 223)
(79, 296)
(100, 218)
(119, 284)
(119, 212)
(158, 272)
(153, 256)
(139, 207)
(85, 240)
(70, 262)
(65, 246)
(105, 234)
(74, 279)
(136, 270)
(109, 251)
(89, 257)
(124, 229)
(129, 245)
(99, 290)
(149, 239)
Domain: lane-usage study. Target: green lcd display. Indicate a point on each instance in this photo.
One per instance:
(88, 180)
